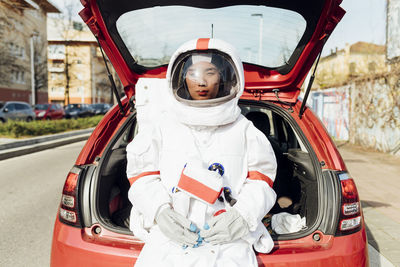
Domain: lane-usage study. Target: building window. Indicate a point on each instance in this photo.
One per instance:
(372, 66)
(352, 68)
(57, 64)
(21, 53)
(18, 76)
(77, 26)
(59, 90)
(16, 24)
(16, 50)
(11, 48)
(56, 51)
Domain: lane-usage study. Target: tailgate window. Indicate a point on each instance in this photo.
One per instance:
(163, 29)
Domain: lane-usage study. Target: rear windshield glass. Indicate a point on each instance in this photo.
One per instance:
(41, 106)
(153, 34)
(73, 106)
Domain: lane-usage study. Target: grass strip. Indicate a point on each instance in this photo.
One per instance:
(19, 129)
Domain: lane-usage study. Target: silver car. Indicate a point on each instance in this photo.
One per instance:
(16, 110)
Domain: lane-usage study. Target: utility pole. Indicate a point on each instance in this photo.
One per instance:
(33, 99)
(67, 78)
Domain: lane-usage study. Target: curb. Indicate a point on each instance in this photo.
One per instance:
(36, 144)
(41, 139)
(396, 150)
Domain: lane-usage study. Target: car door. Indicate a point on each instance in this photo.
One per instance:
(11, 113)
(22, 111)
(53, 112)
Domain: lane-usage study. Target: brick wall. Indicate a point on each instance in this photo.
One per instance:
(7, 94)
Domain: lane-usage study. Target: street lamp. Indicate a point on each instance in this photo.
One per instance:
(33, 35)
(260, 36)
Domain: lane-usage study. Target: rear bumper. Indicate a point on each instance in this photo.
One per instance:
(71, 246)
(344, 251)
(74, 247)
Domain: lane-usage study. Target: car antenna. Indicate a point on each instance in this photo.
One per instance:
(310, 82)
(110, 77)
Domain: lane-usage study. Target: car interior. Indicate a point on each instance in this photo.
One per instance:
(295, 183)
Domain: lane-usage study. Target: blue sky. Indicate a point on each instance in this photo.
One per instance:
(365, 20)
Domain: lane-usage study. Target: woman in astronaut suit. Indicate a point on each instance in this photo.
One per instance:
(178, 168)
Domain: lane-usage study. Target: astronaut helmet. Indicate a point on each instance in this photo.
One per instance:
(208, 75)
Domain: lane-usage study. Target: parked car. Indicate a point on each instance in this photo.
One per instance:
(49, 111)
(73, 111)
(91, 227)
(100, 108)
(16, 110)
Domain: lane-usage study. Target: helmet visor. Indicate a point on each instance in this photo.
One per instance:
(204, 78)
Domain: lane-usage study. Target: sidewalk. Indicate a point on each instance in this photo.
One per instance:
(377, 176)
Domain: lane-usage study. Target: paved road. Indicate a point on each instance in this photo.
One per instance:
(30, 190)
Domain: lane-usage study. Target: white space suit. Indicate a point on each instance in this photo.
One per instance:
(200, 133)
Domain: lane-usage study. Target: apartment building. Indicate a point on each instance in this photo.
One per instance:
(23, 49)
(76, 68)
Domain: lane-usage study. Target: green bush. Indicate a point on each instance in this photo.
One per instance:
(15, 129)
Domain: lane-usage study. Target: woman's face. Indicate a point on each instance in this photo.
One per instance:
(202, 79)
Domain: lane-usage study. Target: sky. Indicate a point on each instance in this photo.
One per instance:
(365, 20)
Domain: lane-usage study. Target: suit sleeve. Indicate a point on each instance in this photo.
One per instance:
(147, 193)
(256, 196)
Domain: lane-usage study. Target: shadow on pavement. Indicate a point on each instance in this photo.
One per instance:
(373, 204)
(371, 239)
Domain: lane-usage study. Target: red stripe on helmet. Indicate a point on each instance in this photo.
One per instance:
(202, 43)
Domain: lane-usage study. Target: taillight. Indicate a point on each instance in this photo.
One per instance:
(350, 212)
(69, 206)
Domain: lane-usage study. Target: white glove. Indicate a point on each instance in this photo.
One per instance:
(225, 227)
(176, 227)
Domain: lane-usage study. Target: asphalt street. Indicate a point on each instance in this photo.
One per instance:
(30, 190)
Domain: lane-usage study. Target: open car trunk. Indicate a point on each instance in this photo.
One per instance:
(296, 183)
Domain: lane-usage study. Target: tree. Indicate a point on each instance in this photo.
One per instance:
(9, 61)
(65, 23)
(40, 65)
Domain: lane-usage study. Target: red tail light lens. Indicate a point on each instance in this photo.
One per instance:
(350, 214)
(69, 208)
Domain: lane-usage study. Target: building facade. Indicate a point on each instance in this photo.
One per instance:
(77, 73)
(23, 49)
(357, 60)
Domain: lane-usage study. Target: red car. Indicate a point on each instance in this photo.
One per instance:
(278, 41)
(49, 111)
